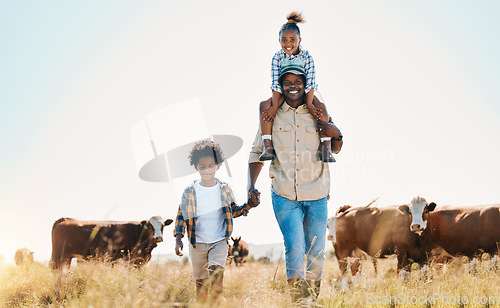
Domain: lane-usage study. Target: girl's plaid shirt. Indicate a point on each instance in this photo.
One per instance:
(186, 215)
(310, 70)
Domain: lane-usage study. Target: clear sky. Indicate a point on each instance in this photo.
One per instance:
(413, 85)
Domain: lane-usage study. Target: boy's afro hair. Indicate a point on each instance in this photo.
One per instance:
(203, 149)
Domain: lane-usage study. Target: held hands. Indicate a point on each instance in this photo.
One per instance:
(178, 246)
(253, 197)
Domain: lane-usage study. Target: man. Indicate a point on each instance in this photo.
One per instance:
(300, 181)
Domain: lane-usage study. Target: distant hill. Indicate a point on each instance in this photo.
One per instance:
(273, 251)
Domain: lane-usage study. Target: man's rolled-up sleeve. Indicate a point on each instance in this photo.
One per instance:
(256, 150)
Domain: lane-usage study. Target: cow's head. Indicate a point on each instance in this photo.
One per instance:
(155, 224)
(419, 210)
(151, 235)
(331, 228)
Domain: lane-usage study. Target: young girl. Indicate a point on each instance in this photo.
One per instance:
(289, 37)
(207, 209)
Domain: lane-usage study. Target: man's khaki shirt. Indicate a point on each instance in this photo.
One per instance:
(296, 173)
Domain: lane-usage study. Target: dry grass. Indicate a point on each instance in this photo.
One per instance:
(251, 285)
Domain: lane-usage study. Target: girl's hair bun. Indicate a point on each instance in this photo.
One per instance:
(295, 17)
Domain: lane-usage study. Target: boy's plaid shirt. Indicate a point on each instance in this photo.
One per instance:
(186, 215)
(310, 70)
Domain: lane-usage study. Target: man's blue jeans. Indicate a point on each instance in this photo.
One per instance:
(303, 225)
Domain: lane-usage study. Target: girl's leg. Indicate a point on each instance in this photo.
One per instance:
(325, 147)
(266, 129)
(319, 105)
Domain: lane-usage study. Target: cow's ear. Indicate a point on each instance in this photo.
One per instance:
(145, 224)
(232, 238)
(168, 222)
(404, 209)
(431, 206)
(239, 238)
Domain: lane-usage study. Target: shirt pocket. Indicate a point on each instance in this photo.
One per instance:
(282, 136)
(312, 138)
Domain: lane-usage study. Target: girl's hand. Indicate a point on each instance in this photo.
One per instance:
(315, 112)
(269, 114)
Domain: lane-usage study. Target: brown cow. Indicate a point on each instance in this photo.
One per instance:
(23, 257)
(460, 231)
(110, 240)
(238, 251)
(357, 254)
(379, 232)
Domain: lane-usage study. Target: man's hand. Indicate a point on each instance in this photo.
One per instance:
(178, 246)
(253, 197)
(328, 129)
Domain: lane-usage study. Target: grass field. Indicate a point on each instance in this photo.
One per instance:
(255, 284)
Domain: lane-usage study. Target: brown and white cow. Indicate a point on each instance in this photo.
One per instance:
(238, 251)
(23, 257)
(357, 255)
(107, 240)
(460, 231)
(378, 231)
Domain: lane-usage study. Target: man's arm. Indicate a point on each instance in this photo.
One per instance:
(254, 165)
(253, 173)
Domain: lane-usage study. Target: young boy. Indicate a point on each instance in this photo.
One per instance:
(207, 209)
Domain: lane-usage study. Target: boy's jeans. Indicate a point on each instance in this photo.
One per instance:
(300, 222)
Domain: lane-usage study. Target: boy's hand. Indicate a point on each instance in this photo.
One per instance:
(269, 114)
(253, 197)
(178, 247)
